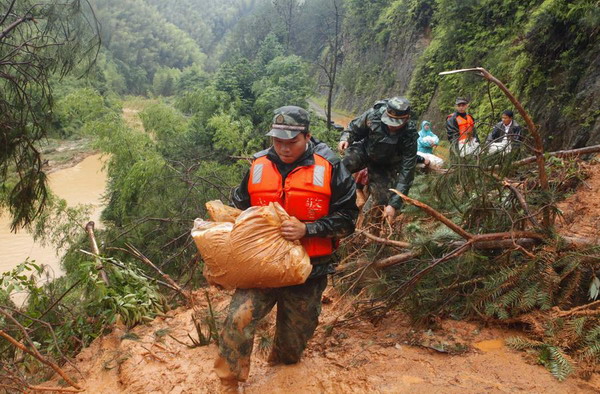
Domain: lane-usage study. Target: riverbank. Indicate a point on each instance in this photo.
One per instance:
(58, 154)
(80, 179)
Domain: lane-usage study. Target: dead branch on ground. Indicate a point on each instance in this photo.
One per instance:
(89, 228)
(570, 153)
(32, 351)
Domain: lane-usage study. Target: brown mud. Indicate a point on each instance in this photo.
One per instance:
(358, 357)
(581, 210)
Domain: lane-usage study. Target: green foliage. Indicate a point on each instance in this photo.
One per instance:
(549, 356)
(38, 41)
(66, 314)
(130, 296)
(79, 107)
(60, 225)
(165, 81)
(168, 126)
(140, 41)
(285, 82)
(233, 136)
(206, 21)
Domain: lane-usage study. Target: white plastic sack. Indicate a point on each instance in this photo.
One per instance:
(467, 148)
(434, 160)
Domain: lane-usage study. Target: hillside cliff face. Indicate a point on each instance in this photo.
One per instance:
(546, 52)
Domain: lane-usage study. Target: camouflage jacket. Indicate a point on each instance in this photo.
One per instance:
(384, 148)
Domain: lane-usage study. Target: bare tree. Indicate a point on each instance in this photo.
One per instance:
(288, 11)
(332, 53)
(37, 41)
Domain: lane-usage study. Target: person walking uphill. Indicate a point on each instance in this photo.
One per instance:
(460, 127)
(384, 140)
(316, 190)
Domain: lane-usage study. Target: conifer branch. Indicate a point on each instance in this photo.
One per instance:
(384, 241)
(436, 215)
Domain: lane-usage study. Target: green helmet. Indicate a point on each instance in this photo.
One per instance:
(288, 122)
(397, 112)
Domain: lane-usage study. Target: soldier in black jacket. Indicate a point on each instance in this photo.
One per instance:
(384, 140)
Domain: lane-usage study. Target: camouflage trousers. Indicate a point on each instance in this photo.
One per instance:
(298, 310)
(382, 177)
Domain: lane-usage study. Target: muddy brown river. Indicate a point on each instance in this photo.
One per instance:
(83, 183)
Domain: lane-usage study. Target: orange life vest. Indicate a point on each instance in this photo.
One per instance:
(306, 195)
(465, 127)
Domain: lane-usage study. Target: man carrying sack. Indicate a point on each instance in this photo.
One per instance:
(309, 181)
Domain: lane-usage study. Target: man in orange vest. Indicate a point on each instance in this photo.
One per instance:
(309, 181)
(460, 127)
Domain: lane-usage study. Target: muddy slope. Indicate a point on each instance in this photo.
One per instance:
(354, 358)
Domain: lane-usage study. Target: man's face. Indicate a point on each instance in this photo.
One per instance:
(291, 150)
(506, 119)
(462, 107)
(394, 129)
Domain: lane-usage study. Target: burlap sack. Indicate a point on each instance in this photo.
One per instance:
(253, 254)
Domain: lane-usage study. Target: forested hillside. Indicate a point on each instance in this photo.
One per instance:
(547, 53)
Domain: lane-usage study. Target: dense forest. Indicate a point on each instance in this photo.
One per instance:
(206, 75)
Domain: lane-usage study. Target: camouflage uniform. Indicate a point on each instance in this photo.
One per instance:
(389, 157)
(298, 307)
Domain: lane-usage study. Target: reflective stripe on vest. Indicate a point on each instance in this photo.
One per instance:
(305, 195)
(465, 127)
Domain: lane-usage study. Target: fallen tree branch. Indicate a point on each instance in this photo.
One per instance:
(500, 244)
(522, 201)
(560, 153)
(436, 215)
(384, 241)
(571, 243)
(140, 256)
(34, 353)
(89, 228)
(110, 261)
(55, 389)
(402, 290)
(580, 310)
(397, 259)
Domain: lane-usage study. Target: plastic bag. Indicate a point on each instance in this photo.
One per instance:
(220, 212)
(252, 253)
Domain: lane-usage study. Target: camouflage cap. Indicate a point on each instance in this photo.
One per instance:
(461, 100)
(288, 122)
(397, 112)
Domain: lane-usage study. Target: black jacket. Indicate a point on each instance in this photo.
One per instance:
(514, 133)
(342, 208)
(395, 150)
